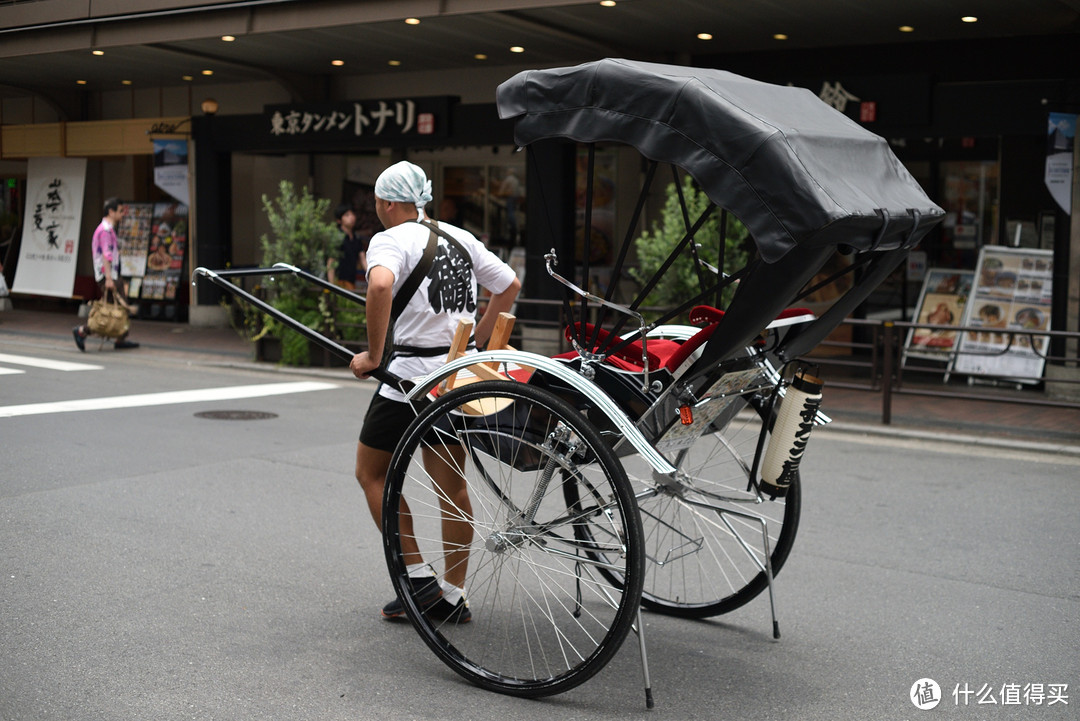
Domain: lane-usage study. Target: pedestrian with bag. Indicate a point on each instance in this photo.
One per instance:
(422, 278)
(105, 248)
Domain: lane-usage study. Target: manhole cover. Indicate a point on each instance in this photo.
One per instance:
(236, 415)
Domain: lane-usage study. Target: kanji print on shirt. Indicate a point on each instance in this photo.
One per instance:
(451, 282)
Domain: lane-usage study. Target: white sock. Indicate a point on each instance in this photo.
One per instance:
(419, 570)
(451, 592)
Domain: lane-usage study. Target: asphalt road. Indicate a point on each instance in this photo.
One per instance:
(160, 565)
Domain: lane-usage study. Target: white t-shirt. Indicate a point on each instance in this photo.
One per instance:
(445, 296)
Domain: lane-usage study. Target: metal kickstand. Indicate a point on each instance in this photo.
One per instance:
(640, 631)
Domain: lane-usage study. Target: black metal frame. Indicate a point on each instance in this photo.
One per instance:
(220, 278)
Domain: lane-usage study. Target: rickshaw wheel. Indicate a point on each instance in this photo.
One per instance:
(702, 559)
(545, 614)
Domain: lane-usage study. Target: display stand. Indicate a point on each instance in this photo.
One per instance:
(941, 302)
(158, 285)
(1010, 303)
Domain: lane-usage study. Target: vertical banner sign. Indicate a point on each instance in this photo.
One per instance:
(50, 236)
(1059, 158)
(171, 168)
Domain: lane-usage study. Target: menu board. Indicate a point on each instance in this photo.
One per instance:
(942, 301)
(1010, 299)
(165, 256)
(133, 233)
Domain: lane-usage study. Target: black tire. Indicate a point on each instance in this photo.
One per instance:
(544, 618)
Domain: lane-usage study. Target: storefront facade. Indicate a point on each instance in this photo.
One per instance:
(970, 124)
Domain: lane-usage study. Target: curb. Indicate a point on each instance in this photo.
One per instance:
(957, 439)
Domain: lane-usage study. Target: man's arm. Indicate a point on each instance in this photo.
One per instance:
(380, 299)
(106, 267)
(499, 303)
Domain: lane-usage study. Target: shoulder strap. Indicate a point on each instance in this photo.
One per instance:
(434, 228)
(416, 277)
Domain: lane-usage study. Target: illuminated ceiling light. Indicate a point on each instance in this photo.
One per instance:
(207, 72)
(704, 36)
(517, 49)
(80, 82)
(189, 78)
(98, 52)
(779, 36)
(480, 56)
(395, 63)
(228, 38)
(412, 21)
(337, 63)
(608, 3)
(906, 29)
(970, 19)
(125, 82)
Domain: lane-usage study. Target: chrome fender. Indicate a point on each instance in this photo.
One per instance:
(585, 386)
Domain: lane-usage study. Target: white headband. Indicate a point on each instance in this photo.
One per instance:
(404, 183)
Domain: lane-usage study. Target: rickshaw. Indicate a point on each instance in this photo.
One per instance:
(634, 471)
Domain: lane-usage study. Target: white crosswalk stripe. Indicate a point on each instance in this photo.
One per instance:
(166, 398)
(46, 363)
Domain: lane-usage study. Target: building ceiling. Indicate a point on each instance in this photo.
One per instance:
(295, 42)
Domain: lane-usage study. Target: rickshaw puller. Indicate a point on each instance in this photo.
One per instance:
(422, 336)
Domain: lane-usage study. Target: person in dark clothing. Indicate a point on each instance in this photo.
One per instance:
(353, 260)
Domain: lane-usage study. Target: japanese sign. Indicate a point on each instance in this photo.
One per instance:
(50, 236)
(1009, 303)
(1060, 140)
(357, 121)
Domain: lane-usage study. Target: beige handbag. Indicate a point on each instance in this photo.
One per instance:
(108, 317)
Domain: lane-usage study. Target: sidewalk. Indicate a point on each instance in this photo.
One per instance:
(1029, 427)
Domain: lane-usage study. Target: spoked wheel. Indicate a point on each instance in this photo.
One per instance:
(703, 531)
(492, 481)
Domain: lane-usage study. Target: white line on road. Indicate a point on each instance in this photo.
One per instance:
(167, 398)
(9, 371)
(53, 365)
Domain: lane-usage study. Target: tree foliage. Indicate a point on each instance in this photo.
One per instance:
(681, 281)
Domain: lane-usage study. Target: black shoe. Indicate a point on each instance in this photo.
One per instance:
(443, 610)
(122, 344)
(80, 339)
(425, 591)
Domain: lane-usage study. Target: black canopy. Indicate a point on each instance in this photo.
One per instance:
(793, 169)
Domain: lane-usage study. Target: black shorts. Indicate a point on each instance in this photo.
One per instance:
(386, 421)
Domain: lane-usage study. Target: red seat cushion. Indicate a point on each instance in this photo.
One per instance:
(631, 353)
(705, 315)
(667, 354)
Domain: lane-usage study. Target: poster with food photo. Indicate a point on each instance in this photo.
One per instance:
(133, 232)
(1009, 305)
(941, 302)
(165, 257)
